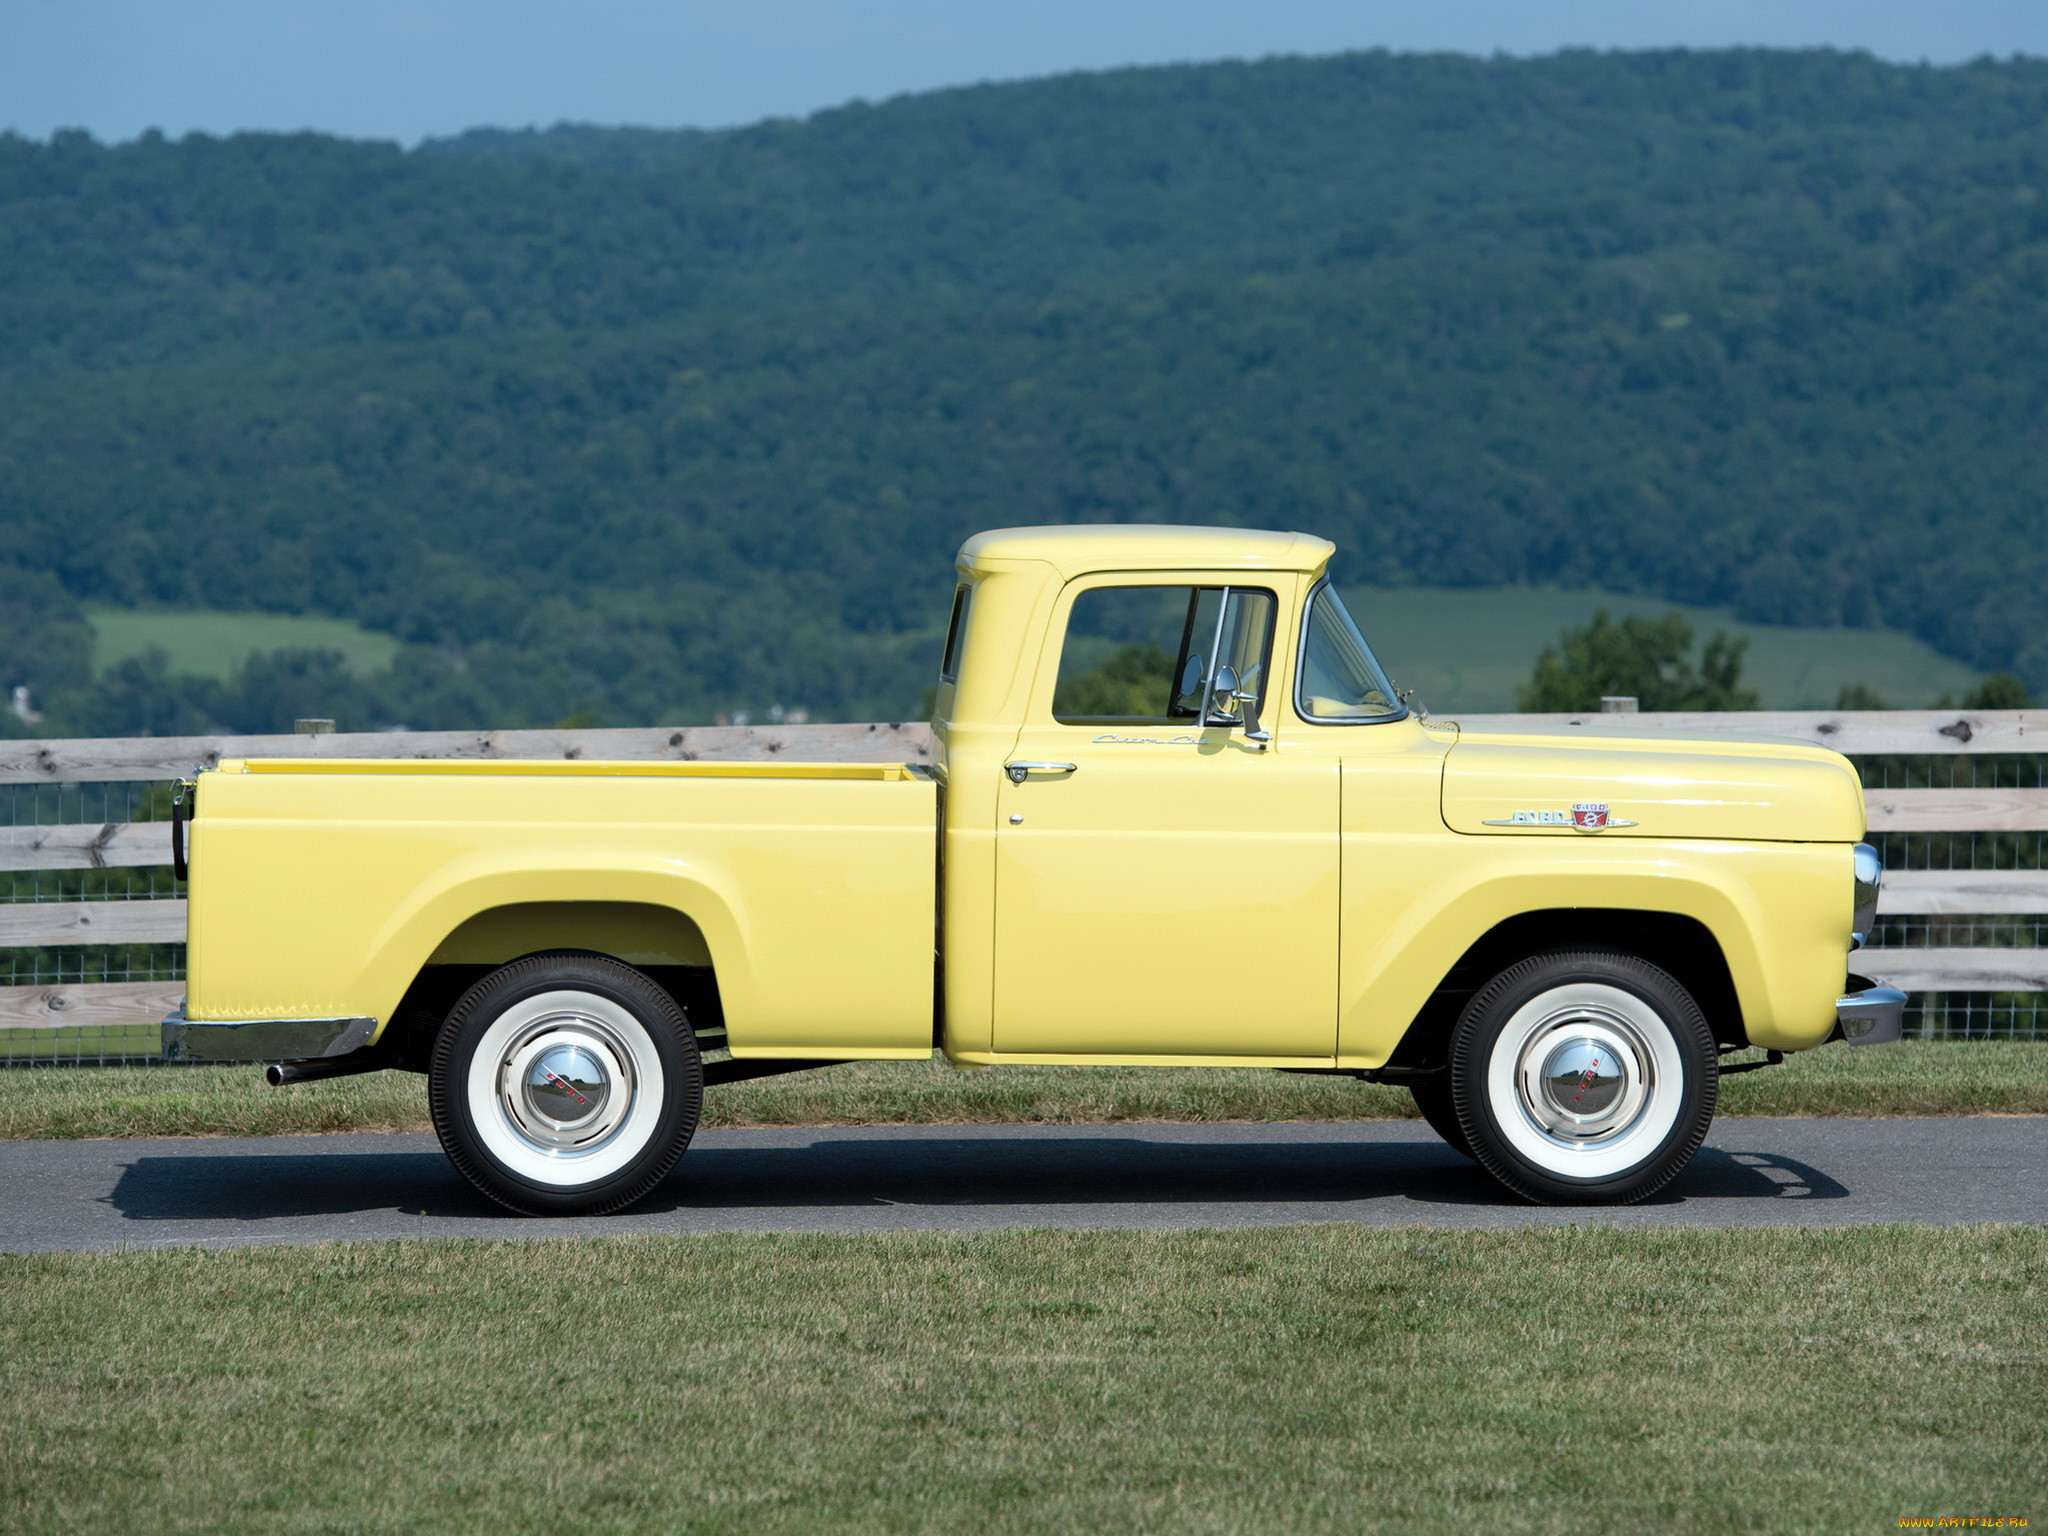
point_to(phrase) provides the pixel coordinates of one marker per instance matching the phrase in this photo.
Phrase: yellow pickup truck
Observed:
(1176, 816)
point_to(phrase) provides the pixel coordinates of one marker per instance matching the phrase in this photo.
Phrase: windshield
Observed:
(1339, 678)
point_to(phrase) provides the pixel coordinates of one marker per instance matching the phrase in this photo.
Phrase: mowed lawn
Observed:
(1303, 1379)
(1917, 1078)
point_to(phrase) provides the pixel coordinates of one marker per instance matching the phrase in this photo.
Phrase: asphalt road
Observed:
(304, 1189)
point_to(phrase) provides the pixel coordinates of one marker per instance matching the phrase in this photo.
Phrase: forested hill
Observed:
(650, 425)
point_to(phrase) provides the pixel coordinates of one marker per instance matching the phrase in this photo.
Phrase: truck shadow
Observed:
(1090, 1170)
(838, 1172)
(272, 1186)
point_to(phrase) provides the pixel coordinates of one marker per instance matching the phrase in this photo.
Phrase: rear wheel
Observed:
(565, 1085)
(1433, 1097)
(1583, 1078)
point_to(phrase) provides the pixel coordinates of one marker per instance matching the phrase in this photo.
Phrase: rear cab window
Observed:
(956, 634)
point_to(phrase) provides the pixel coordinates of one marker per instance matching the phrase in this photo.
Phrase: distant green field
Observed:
(1457, 647)
(210, 644)
(1467, 648)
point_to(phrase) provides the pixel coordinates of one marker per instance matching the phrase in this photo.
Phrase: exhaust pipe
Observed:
(280, 1073)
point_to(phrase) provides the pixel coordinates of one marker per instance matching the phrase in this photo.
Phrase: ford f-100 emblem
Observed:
(1587, 816)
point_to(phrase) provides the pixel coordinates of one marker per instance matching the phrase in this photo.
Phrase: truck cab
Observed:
(1177, 815)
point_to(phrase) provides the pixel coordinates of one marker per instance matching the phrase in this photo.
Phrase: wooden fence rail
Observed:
(42, 924)
(105, 1004)
(138, 758)
(112, 845)
(1860, 733)
(145, 844)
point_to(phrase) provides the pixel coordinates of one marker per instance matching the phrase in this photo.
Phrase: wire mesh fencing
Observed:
(85, 1045)
(1955, 770)
(1977, 1016)
(41, 985)
(85, 804)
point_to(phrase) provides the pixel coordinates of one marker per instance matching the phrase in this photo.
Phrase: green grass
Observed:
(1306, 1379)
(1910, 1079)
(204, 643)
(1467, 648)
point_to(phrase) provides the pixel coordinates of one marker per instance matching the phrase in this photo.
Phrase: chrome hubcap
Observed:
(1584, 1075)
(565, 1084)
(1580, 1078)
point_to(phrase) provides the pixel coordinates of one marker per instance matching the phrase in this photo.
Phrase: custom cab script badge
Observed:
(1587, 816)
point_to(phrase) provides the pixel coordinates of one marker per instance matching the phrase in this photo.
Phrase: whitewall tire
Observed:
(565, 1084)
(1583, 1077)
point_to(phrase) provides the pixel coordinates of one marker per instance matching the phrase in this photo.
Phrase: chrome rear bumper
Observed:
(262, 1039)
(1870, 1017)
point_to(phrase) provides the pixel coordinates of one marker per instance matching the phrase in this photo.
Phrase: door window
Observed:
(1149, 655)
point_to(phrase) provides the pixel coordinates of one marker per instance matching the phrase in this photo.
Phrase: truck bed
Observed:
(321, 888)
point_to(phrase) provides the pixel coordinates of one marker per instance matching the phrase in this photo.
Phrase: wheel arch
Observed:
(1673, 941)
(639, 933)
(675, 930)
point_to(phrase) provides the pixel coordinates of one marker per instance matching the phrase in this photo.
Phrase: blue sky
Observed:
(404, 69)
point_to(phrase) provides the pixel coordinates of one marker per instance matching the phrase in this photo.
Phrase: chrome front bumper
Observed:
(1870, 1017)
(262, 1039)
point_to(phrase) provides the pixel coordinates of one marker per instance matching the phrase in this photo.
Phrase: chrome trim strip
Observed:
(1216, 661)
(262, 1039)
(1568, 823)
(1873, 1016)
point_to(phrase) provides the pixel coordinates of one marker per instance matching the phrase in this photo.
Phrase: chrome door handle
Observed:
(1016, 771)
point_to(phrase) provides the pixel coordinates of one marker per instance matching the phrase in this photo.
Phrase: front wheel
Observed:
(565, 1085)
(1583, 1078)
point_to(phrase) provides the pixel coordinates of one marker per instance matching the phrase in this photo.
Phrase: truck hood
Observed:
(1528, 781)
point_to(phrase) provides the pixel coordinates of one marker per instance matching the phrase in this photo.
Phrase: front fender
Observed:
(1778, 911)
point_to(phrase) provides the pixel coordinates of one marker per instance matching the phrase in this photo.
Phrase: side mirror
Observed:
(1230, 703)
(1223, 696)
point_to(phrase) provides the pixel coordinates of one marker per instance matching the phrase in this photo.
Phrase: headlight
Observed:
(1869, 880)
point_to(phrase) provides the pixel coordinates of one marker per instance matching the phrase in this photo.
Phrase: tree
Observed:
(1134, 681)
(2001, 690)
(671, 424)
(45, 641)
(1647, 659)
(1859, 696)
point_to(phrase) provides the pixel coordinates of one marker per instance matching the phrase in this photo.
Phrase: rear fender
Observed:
(429, 924)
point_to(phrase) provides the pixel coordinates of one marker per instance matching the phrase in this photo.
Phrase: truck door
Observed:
(1165, 884)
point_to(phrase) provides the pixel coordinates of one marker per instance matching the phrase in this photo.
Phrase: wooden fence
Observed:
(45, 924)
